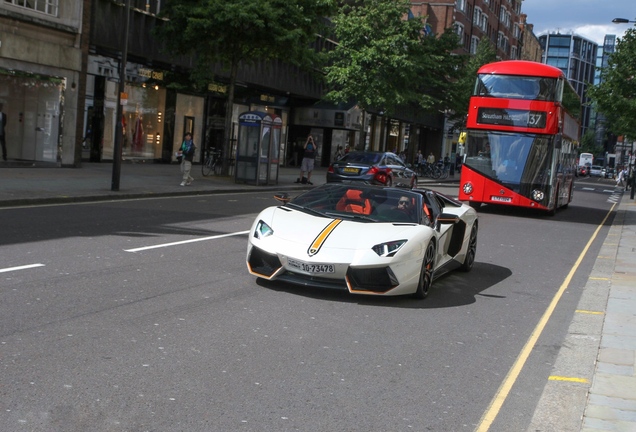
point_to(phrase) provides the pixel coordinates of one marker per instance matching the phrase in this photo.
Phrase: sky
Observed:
(591, 19)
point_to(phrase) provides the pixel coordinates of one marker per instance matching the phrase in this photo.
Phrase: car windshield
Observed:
(362, 158)
(362, 203)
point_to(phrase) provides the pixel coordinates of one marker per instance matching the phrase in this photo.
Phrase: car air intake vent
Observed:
(375, 279)
(263, 263)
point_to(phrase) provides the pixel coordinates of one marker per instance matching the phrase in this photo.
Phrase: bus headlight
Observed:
(538, 195)
(468, 188)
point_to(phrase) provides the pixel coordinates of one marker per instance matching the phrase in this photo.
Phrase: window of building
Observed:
(459, 30)
(477, 16)
(474, 41)
(49, 7)
(461, 5)
(513, 53)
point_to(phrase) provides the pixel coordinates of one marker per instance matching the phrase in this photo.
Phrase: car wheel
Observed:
(426, 274)
(471, 251)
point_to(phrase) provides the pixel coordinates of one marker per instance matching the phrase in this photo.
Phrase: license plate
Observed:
(311, 268)
(349, 170)
(500, 198)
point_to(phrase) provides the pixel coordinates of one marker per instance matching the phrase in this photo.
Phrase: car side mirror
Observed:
(446, 219)
(283, 197)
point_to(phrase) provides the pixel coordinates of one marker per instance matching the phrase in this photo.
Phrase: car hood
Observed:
(295, 226)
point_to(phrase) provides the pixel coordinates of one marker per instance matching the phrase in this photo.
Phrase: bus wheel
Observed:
(474, 204)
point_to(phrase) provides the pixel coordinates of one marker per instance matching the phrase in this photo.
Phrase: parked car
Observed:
(379, 168)
(595, 171)
(608, 172)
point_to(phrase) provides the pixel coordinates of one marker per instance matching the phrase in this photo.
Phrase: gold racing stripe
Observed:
(318, 241)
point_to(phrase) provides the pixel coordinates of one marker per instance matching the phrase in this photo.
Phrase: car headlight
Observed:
(262, 230)
(388, 249)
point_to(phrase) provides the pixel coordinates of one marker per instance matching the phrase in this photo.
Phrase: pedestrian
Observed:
(430, 159)
(3, 123)
(186, 153)
(339, 154)
(458, 163)
(307, 164)
(620, 178)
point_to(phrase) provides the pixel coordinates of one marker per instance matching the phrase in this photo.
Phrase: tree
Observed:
(464, 88)
(383, 60)
(588, 143)
(232, 33)
(615, 95)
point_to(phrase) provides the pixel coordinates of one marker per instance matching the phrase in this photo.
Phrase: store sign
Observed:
(512, 117)
(149, 73)
(217, 88)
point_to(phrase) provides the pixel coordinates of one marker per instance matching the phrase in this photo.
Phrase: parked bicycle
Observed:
(429, 170)
(212, 162)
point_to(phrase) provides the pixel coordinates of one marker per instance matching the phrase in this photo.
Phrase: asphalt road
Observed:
(140, 316)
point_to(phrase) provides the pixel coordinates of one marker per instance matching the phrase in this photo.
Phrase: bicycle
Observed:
(212, 163)
(444, 171)
(430, 170)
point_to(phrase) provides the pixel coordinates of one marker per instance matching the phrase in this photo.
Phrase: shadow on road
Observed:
(451, 290)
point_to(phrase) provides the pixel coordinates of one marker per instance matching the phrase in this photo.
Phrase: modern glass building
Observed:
(576, 57)
(598, 119)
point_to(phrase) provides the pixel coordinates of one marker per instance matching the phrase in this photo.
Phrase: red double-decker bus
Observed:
(522, 137)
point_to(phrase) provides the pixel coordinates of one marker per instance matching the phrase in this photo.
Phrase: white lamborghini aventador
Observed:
(364, 239)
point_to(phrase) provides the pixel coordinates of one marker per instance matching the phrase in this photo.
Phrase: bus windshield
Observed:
(516, 87)
(511, 158)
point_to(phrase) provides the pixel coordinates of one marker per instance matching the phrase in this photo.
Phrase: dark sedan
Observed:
(383, 168)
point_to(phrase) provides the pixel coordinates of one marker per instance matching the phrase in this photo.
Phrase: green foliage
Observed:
(588, 143)
(485, 54)
(615, 96)
(227, 32)
(383, 60)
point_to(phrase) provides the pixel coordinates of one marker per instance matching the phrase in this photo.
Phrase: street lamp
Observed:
(622, 21)
(119, 132)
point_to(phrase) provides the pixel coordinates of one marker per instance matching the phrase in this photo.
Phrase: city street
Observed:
(140, 315)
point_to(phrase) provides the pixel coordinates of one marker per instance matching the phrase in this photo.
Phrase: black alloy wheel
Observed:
(426, 274)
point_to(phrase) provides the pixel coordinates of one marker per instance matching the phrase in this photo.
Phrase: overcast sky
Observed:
(591, 19)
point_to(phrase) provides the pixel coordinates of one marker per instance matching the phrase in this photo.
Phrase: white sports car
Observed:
(364, 239)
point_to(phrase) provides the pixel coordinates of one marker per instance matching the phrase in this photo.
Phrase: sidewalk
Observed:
(592, 386)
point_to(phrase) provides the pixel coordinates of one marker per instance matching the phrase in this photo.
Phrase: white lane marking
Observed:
(24, 267)
(588, 189)
(185, 242)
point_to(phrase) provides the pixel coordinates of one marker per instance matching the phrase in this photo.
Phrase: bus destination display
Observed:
(511, 117)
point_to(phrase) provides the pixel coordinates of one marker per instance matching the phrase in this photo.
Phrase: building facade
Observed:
(474, 20)
(531, 47)
(603, 139)
(576, 57)
(40, 71)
